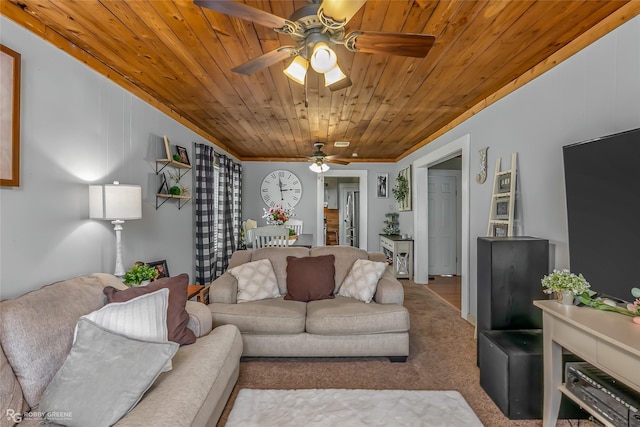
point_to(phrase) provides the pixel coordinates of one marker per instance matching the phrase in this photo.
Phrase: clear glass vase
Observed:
(565, 297)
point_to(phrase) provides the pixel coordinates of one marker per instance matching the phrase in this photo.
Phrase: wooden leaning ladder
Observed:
(503, 199)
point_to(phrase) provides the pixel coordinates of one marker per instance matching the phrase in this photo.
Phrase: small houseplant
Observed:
(565, 285)
(140, 272)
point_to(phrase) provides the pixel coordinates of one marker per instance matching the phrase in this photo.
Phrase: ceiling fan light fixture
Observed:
(319, 167)
(323, 58)
(297, 70)
(333, 75)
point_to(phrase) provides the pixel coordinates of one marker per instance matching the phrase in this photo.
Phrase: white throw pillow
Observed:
(362, 280)
(256, 281)
(143, 318)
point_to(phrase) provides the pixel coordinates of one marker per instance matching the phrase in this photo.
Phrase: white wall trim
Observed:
(462, 146)
(364, 203)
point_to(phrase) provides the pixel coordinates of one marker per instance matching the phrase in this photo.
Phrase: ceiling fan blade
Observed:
(339, 12)
(266, 60)
(243, 11)
(402, 44)
(338, 161)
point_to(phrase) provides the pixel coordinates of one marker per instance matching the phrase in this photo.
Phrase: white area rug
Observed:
(340, 408)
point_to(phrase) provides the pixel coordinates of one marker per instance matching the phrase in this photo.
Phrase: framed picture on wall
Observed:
(504, 183)
(10, 118)
(382, 185)
(161, 267)
(500, 230)
(501, 209)
(402, 190)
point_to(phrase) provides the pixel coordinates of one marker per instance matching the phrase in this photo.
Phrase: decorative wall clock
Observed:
(281, 187)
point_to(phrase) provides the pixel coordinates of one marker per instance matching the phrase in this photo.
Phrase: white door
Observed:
(442, 224)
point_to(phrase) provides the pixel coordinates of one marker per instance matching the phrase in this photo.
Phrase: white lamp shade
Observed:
(323, 58)
(297, 70)
(318, 168)
(333, 75)
(115, 201)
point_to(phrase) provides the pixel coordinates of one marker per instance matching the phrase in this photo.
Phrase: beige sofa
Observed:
(340, 327)
(36, 333)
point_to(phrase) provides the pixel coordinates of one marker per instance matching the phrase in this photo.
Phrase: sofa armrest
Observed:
(200, 321)
(389, 290)
(224, 289)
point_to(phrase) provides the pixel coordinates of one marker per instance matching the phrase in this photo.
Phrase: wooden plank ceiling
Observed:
(179, 57)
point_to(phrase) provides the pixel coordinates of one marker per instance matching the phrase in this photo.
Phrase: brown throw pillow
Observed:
(310, 278)
(177, 316)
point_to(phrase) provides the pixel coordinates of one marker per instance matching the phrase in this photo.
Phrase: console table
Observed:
(609, 341)
(400, 252)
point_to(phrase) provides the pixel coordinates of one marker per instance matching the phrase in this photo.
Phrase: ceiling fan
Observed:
(315, 29)
(320, 159)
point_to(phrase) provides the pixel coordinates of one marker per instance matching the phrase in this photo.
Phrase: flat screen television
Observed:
(602, 182)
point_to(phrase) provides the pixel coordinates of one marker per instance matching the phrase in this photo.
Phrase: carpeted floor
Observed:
(442, 357)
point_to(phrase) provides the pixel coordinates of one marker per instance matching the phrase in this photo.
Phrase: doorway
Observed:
(361, 205)
(458, 147)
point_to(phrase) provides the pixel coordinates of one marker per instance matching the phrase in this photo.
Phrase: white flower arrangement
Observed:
(564, 280)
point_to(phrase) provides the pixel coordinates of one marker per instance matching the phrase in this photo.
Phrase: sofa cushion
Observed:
(268, 316)
(278, 258)
(45, 319)
(11, 399)
(345, 257)
(348, 316)
(310, 278)
(94, 374)
(362, 280)
(177, 316)
(197, 386)
(256, 281)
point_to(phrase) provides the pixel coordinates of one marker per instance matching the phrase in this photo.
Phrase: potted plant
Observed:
(565, 285)
(140, 273)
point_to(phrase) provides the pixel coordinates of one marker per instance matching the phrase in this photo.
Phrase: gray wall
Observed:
(77, 127)
(306, 210)
(594, 93)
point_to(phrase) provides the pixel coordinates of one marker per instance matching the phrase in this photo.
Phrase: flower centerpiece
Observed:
(565, 284)
(277, 215)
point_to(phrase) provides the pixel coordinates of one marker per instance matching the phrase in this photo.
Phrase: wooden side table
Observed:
(200, 292)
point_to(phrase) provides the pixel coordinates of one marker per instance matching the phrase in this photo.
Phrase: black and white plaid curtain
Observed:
(217, 201)
(229, 212)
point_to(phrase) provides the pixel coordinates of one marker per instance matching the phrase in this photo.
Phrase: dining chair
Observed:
(248, 226)
(270, 236)
(295, 225)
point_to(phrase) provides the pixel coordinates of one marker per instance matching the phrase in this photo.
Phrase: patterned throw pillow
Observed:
(362, 280)
(256, 281)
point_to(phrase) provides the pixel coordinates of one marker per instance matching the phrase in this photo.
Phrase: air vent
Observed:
(341, 144)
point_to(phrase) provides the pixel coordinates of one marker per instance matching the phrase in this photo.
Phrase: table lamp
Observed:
(116, 202)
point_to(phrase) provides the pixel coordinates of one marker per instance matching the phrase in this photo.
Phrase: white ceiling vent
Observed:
(341, 144)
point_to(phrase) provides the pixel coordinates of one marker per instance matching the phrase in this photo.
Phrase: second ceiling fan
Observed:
(315, 29)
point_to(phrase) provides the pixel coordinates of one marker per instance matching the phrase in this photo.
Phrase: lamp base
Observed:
(119, 270)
